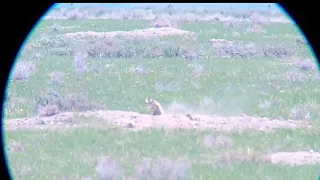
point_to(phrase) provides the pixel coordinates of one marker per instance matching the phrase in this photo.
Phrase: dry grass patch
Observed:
(241, 157)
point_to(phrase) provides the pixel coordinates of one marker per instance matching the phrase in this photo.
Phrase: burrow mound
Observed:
(136, 121)
(295, 158)
(144, 33)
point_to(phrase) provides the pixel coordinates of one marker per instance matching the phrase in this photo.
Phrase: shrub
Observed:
(277, 52)
(307, 65)
(304, 111)
(161, 169)
(159, 23)
(56, 28)
(236, 50)
(228, 158)
(49, 110)
(109, 169)
(301, 40)
(31, 51)
(130, 48)
(79, 62)
(79, 102)
(258, 19)
(60, 51)
(22, 70)
(56, 77)
(232, 24)
(48, 98)
(71, 102)
(217, 142)
(75, 14)
(246, 51)
(255, 29)
(295, 77)
(113, 48)
(119, 47)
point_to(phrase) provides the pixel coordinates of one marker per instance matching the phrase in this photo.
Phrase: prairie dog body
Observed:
(155, 107)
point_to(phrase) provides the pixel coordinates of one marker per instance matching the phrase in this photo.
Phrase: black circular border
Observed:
(21, 18)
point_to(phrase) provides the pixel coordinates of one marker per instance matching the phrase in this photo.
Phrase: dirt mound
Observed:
(145, 33)
(138, 121)
(295, 158)
(285, 158)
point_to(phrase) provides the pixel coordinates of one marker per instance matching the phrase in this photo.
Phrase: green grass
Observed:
(75, 153)
(235, 85)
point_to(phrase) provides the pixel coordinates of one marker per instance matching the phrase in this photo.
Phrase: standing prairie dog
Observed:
(155, 106)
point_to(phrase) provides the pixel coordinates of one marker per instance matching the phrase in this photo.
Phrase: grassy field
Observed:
(74, 154)
(257, 86)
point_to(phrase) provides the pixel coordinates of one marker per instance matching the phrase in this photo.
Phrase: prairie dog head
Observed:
(149, 101)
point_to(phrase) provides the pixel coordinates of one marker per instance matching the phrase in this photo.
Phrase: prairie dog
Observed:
(155, 106)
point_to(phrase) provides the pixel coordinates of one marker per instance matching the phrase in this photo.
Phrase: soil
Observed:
(296, 158)
(144, 33)
(137, 121)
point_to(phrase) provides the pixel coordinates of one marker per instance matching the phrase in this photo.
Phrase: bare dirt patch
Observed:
(295, 158)
(286, 158)
(136, 121)
(145, 33)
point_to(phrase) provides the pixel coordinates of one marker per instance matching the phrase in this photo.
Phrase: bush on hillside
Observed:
(161, 168)
(71, 102)
(22, 70)
(248, 51)
(56, 77)
(108, 169)
(159, 23)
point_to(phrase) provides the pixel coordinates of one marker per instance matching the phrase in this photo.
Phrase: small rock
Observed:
(39, 122)
(243, 115)
(129, 125)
